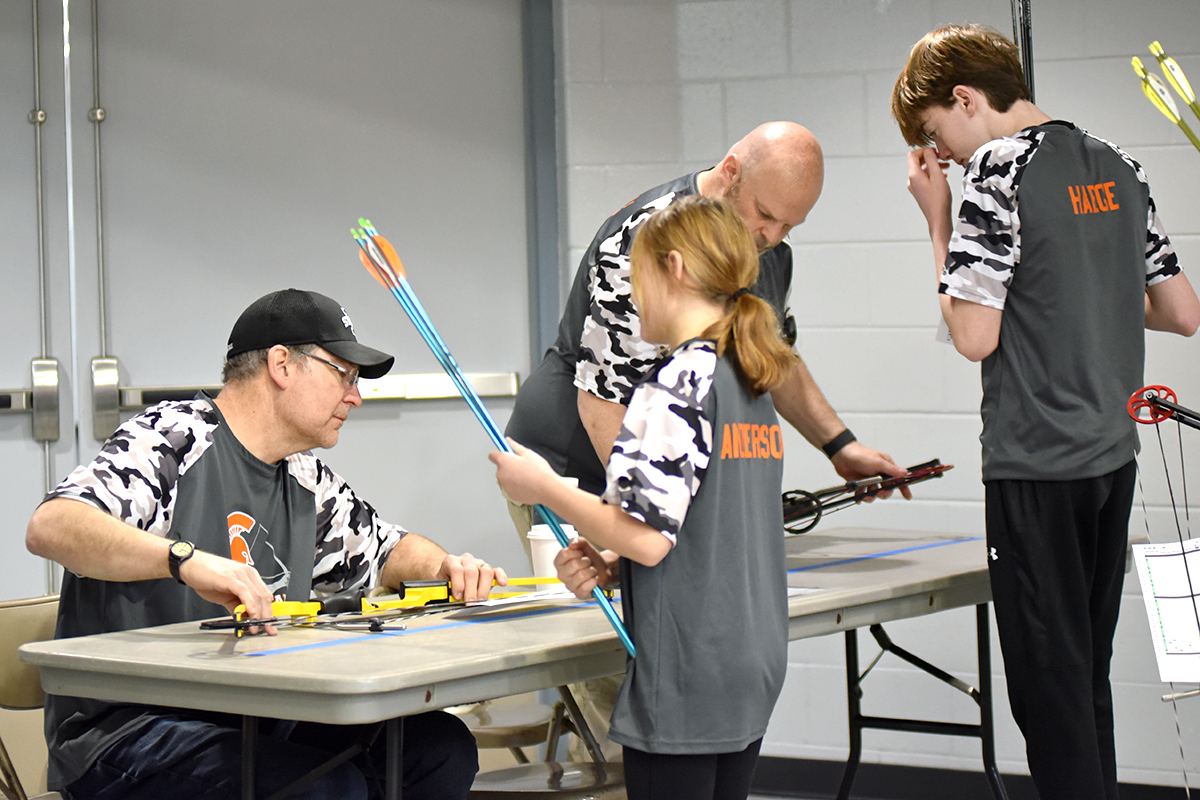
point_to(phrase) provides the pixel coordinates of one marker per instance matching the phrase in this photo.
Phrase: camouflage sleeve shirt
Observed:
(176, 470)
(614, 356)
(985, 247)
(660, 456)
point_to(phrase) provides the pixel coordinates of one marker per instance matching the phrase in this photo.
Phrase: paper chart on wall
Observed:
(1170, 576)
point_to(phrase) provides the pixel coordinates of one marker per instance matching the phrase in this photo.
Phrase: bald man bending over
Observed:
(571, 408)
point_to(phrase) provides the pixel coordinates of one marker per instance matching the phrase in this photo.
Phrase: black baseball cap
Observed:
(296, 317)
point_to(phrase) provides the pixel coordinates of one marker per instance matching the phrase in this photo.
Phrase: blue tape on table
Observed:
(882, 555)
(443, 626)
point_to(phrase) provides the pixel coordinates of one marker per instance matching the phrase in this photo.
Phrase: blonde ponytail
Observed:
(720, 256)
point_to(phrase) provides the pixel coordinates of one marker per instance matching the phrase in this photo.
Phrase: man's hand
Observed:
(581, 567)
(855, 461)
(470, 578)
(229, 583)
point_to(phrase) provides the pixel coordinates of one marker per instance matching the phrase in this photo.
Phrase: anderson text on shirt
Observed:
(747, 440)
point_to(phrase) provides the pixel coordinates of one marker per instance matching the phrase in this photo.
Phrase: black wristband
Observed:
(835, 445)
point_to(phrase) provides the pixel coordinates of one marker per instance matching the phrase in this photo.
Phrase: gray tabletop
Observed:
(842, 579)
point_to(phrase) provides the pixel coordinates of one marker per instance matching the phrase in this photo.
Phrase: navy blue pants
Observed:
(200, 759)
(716, 776)
(1056, 558)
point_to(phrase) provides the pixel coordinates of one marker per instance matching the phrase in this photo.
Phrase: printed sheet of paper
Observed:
(1170, 578)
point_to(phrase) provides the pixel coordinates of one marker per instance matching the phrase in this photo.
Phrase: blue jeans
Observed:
(200, 757)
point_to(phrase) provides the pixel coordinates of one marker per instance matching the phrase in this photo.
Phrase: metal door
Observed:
(218, 151)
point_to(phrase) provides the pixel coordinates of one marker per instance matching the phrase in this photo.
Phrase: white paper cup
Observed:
(544, 546)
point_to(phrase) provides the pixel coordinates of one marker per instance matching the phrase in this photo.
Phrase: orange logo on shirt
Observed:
(240, 524)
(746, 440)
(1093, 198)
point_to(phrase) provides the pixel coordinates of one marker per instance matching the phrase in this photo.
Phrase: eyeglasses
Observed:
(349, 376)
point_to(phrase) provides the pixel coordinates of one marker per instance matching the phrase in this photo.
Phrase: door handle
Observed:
(44, 399)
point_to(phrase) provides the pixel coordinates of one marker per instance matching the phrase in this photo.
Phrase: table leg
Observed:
(581, 726)
(249, 745)
(854, 714)
(987, 734)
(982, 697)
(394, 779)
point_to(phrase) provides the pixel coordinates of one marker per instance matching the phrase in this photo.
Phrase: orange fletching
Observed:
(389, 253)
(371, 268)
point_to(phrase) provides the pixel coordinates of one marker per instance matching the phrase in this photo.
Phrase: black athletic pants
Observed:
(1056, 557)
(716, 776)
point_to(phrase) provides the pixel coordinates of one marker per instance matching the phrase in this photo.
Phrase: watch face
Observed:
(181, 549)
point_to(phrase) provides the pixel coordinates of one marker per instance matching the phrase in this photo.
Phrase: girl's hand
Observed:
(581, 567)
(522, 474)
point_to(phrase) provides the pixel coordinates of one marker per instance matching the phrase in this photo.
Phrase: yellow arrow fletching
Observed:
(1174, 73)
(1160, 89)
(1156, 91)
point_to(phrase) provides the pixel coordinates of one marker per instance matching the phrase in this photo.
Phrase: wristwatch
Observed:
(180, 552)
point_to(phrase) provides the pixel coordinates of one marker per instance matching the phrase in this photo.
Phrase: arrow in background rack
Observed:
(381, 260)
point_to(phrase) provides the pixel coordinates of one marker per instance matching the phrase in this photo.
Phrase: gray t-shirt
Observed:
(701, 460)
(177, 471)
(1058, 229)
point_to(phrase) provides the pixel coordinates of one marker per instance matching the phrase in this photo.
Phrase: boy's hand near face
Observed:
(928, 185)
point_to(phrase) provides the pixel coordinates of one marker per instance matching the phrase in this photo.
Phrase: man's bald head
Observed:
(785, 149)
(773, 176)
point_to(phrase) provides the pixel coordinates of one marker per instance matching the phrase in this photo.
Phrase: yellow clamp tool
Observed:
(424, 593)
(410, 594)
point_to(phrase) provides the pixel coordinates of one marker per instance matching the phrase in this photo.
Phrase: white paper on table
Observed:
(1172, 606)
(509, 603)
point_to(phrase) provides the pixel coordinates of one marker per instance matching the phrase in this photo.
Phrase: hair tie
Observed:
(740, 292)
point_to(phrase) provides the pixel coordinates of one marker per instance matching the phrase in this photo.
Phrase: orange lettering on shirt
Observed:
(747, 440)
(1093, 198)
(1112, 201)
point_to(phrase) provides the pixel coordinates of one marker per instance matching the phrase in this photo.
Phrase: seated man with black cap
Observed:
(195, 507)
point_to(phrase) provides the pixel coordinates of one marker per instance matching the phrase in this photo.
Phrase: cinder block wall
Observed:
(652, 90)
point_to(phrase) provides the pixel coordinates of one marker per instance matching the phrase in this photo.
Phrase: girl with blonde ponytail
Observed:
(720, 260)
(691, 522)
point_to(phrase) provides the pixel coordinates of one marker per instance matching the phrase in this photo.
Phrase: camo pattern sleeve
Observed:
(134, 476)
(986, 243)
(353, 543)
(663, 450)
(1161, 262)
(613, 357)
